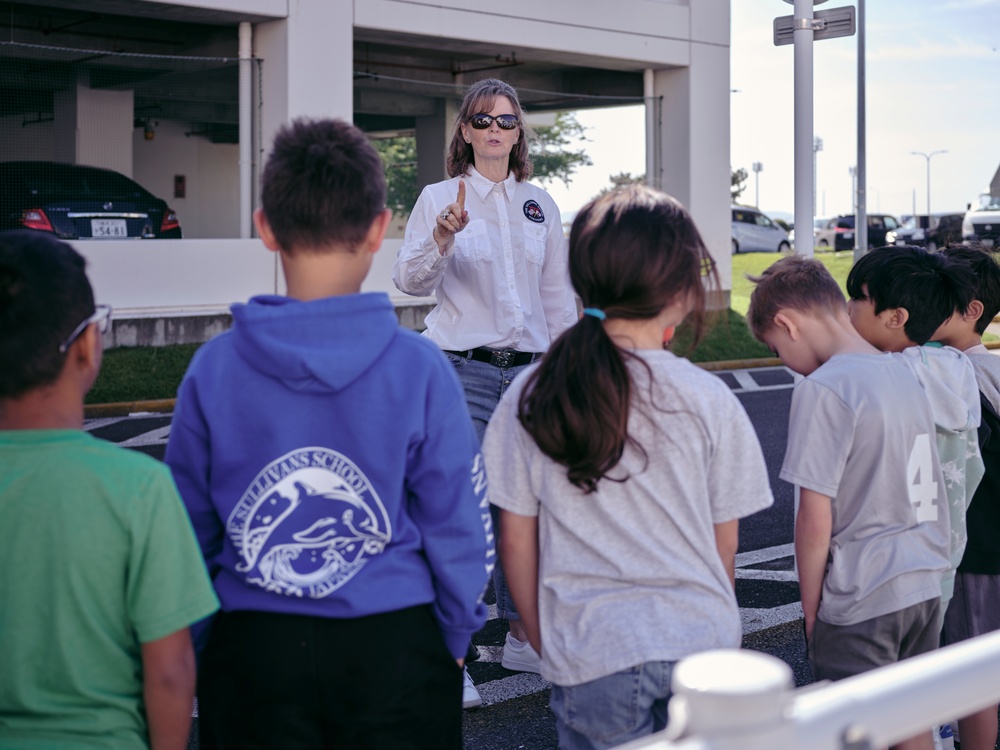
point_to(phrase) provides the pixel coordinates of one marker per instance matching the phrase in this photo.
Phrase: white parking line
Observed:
(153, 437)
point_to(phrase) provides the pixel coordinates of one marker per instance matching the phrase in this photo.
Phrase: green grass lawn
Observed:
(141, 373)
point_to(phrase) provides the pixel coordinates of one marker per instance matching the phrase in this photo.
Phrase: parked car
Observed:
(839, 231)
(754, 231)
(77, 202)
(818, 223)
(982, 224)
(931, 232)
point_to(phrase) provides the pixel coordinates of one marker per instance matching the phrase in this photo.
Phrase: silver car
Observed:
(754, 231)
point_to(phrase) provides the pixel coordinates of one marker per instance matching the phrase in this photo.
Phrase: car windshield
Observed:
(915, 222)
(992, 205)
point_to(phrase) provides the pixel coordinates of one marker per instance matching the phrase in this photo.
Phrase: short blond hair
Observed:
(793, 283)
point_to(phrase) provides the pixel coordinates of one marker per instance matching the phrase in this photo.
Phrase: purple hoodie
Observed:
(330, 468)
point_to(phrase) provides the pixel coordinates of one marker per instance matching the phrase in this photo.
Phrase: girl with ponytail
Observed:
(625, 470)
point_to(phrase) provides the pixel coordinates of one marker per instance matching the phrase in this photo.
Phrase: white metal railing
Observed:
(745, 700)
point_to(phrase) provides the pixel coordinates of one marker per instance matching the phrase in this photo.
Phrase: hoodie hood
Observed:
(317, 346)
(949, 380)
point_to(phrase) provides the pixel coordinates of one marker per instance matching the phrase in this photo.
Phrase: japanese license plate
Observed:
(108, 228)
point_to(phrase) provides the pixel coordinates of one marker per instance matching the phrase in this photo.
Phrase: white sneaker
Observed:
(519, 656)
(470, 696)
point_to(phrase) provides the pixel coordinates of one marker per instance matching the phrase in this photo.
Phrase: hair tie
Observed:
(595, 312)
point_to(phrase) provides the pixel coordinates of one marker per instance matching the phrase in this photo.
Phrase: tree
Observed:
(620, 180)
(550, 154)
(738, 178)
(552, 158)
(399, 156)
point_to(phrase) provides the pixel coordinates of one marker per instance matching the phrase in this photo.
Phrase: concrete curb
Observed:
(166, 405)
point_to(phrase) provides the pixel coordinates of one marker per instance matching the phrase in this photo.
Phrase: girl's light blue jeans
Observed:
(613, 710)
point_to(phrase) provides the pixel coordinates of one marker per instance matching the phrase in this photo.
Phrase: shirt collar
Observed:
(483, 186)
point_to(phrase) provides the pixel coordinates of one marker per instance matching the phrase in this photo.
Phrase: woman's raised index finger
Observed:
(461, 195)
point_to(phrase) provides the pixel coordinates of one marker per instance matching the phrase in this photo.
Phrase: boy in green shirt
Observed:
(100, 573)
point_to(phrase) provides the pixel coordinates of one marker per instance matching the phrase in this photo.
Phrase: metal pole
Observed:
(246, 146)
(652, 156)
(861, 213)
(928, 157)
(928, 192)
(757, 169)
(804, 154)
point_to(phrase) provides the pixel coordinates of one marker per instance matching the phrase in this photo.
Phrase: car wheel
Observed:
(824, 243)
(931, 246)
(736, 246)
(784, 247)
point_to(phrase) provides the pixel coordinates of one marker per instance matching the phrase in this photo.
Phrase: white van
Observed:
(754, 231)
(982, 223)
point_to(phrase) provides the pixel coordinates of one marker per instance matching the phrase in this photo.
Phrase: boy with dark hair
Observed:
(871, 542)
(899, 297)
(100, 574)
(975, 608)
(334, 480)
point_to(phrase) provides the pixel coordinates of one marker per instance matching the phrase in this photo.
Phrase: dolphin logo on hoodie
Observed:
(307, 524)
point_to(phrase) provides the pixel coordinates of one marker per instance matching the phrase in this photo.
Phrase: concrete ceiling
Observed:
(397, 77)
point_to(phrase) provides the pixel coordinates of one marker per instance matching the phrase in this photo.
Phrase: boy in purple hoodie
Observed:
(330, 469)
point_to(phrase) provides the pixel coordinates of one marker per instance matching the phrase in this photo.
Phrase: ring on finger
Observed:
(445, 214)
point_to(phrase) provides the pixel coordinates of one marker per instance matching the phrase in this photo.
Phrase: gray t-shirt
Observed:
(631, 573)
(987, 367)
(861, 432)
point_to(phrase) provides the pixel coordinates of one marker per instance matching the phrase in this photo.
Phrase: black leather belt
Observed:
(498, 357)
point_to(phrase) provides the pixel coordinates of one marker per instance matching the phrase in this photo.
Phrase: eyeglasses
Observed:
(483, 121)
(101, 316)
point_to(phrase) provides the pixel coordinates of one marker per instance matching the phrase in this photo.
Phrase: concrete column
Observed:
(307, 68)
(695, 153)
(433, 139)
(94, 127)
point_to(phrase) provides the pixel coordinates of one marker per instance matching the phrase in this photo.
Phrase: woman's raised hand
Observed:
(453, 219)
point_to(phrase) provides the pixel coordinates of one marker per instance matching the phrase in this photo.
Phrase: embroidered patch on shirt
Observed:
(534, 212)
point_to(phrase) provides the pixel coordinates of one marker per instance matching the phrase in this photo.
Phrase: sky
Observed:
(933, 83)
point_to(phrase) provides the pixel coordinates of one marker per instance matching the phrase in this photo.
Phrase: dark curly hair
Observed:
(44, 295)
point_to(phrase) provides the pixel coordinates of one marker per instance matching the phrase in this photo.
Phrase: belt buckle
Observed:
(502, 357)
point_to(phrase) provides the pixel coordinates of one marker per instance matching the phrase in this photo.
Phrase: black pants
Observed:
(289, 682)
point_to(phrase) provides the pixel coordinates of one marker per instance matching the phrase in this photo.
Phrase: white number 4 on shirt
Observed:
(920, 476)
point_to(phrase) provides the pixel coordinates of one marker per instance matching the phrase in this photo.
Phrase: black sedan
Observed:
(76, 202)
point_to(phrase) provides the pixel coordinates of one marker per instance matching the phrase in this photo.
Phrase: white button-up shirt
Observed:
(505, 282)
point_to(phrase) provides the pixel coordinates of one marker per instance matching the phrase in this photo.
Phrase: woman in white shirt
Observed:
(490, 247)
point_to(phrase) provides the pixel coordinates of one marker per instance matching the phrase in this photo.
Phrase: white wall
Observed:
(211, 170)
(176, 277)
(626, 30)
(29, 142)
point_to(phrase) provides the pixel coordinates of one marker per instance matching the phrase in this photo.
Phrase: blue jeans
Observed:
(484, 384)
(613, 710)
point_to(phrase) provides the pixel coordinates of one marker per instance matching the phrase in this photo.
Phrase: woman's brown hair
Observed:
(481, 97)
(631, 253)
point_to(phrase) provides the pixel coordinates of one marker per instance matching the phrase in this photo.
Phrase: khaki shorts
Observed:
(839, 651)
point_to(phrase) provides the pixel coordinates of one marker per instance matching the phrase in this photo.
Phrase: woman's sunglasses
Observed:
(483, 121)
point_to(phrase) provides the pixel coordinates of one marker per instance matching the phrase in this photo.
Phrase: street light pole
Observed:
(757, 169)
(928, 157)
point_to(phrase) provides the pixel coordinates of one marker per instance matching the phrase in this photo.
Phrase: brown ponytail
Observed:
(631, 254)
